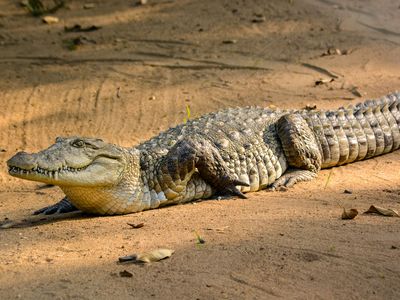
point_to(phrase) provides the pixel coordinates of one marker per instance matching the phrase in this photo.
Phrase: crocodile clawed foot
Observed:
(230, 188)
(62, 207)
(291, 177)
(235, 191)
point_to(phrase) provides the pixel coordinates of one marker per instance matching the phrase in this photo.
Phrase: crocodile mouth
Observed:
(38, 171)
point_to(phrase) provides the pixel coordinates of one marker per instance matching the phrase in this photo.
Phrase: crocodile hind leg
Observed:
(62, 207)
(301, 150)
(197, 153)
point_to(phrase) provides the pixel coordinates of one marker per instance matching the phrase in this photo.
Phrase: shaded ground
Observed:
(133, 78)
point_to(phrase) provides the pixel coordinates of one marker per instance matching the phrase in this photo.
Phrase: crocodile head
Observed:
(73, 161)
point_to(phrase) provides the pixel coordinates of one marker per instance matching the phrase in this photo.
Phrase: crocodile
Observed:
(229, 152)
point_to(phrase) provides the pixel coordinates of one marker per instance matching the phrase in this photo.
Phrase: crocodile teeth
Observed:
(49, 173)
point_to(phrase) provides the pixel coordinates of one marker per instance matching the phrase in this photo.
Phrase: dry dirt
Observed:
(133, 78)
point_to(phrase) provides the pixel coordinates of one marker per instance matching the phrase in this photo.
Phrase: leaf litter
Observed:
(136, 226)
(147, 257)
(125, 273)
(349, 214)
(387, 212)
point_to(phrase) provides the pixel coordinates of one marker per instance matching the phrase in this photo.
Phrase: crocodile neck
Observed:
(122, 198)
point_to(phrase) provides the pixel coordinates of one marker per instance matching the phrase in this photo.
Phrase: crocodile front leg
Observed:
(301, 150)
(198, 154)
(62, 207)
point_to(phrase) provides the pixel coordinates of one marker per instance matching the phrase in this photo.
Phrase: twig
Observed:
(320, 70)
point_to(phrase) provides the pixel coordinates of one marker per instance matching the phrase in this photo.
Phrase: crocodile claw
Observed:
(231, 188)
(64, 206)
(235, 191)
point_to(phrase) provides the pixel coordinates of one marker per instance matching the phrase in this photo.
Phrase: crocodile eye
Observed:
(78, 143)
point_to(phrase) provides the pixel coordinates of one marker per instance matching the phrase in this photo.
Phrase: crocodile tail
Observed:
(358, 132)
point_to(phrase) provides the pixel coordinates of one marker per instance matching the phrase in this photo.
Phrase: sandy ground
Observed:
(133, 78)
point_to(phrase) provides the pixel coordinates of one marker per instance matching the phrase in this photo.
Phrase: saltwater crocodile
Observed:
(232, 151)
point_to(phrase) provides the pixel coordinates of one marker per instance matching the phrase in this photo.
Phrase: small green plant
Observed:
(37, 8)
(199, 239)
(187, 114)
(328, 179)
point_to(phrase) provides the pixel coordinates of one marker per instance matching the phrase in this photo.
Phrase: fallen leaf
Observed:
(349, 214)
(127, 258)
(388, 212)
(154, 255)
(147, 257)
(136, 226)
(324, 81)
(50, 20)
(348, 191)
(125, 273)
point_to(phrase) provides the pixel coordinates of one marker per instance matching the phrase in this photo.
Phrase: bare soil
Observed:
(133, 78)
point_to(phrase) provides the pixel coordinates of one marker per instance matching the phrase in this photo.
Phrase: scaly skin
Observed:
(233, 151)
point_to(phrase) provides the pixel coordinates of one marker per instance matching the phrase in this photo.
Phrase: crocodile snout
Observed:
(23, 161)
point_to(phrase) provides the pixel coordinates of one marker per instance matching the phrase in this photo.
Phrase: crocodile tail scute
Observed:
(358, 132)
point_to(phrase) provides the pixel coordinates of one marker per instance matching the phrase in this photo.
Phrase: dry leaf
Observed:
(154, 255)
(388, 212)
(50, 20)
(324, 81)
(125, 273)
(147, 257)
(136, 226)
(123, 259)
(349, 214)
